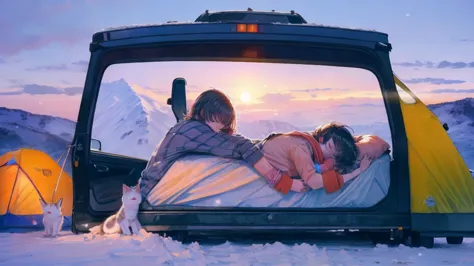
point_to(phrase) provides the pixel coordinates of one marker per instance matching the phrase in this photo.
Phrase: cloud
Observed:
(14, 82)
(81, 63)
(313, 90)
(73, 66)
(35, 89)
(467, 40)
(452, 91)
(48, 68)
(189, 88)
(440, 65)
(437, 81)
(2, 61)
(414, 64)
(276, 98)
(318, 90)
(446, 64)
(31, 25)
(22, 42)
(361, 105)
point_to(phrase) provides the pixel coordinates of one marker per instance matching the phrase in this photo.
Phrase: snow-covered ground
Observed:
(150, 249)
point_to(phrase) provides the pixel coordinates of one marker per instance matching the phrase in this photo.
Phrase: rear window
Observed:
(132, 118)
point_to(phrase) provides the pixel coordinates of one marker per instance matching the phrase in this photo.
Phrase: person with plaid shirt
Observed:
(209, 129)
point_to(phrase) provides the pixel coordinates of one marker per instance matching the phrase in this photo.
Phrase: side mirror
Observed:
(178, 98)
(96, 145)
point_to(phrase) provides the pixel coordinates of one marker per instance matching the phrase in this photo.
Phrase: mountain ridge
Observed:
(130, 119)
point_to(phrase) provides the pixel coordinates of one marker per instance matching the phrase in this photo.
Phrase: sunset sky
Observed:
(44, 52)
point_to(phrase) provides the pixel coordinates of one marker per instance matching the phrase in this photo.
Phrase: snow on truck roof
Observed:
(177, 28)
(138, 26)
(253, 11)
(271, 22)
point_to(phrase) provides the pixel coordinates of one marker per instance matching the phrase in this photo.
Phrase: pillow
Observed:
(371, 146)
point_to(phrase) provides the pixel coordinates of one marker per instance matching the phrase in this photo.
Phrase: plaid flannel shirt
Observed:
(189, 137)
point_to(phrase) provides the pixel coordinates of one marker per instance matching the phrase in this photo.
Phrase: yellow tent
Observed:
(438, 184)
(27, 175)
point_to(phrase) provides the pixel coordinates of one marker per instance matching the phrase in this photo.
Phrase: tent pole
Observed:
(59, 159)
(13, 189)
(61, 172)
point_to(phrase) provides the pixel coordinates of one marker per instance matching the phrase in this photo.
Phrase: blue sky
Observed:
(45, 43)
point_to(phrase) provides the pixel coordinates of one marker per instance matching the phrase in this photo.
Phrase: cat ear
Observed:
(58, 204)
(43, 204)
(137, 188)
(126, 188)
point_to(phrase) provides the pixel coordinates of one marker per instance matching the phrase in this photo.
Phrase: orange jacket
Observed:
(296, 153)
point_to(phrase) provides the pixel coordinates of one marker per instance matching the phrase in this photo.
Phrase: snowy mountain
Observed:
(130, 121)
(459, 115)
(20, 129)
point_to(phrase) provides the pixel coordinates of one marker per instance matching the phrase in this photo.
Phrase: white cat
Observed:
(126, 217)
(52, 218)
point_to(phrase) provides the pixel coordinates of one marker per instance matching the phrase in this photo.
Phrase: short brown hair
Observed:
(214, 106)
(347, 151)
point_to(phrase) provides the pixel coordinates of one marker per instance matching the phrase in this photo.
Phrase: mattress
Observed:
(209, 181)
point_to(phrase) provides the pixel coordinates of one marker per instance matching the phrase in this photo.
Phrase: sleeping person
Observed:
(318, 158)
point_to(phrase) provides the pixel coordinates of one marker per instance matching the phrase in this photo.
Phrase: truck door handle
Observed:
(101, 168)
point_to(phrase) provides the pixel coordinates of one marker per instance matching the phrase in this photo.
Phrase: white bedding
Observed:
(202, 180)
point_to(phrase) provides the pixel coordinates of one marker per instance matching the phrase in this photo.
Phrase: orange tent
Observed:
(27, 175)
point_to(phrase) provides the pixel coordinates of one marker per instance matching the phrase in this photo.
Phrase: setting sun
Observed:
(245, 97)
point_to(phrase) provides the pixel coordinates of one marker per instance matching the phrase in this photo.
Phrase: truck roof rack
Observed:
(252, 16)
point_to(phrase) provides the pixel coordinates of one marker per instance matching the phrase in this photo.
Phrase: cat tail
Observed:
(97, 230)
(111, 225)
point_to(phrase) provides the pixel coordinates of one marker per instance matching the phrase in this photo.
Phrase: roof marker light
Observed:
(252, 28)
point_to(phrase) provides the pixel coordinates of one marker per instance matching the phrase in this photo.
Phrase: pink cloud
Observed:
(276, 98)
(21, 42)
(35, 24)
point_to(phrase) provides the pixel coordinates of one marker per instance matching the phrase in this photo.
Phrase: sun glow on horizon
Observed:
(246, 97)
